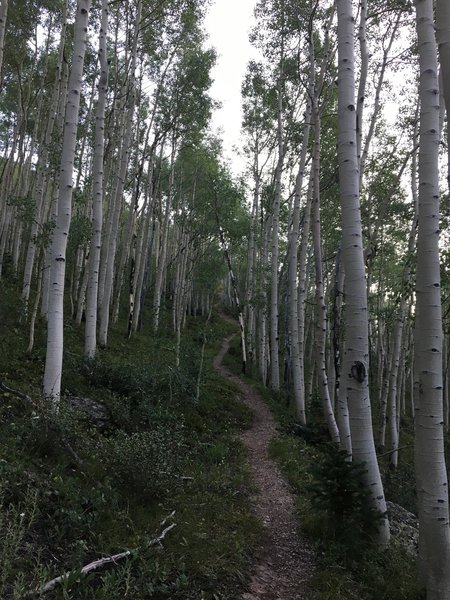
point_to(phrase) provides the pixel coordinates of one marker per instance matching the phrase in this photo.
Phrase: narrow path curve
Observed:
(286, 562)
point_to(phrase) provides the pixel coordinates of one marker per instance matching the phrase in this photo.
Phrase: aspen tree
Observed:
(443, 40)
(293, 260)
(251, 263)
(41, 185)
(356, 362)
(129, 231)
(297, 260)
(321, 309)
(431, 474)
(263, 355)
(257, 125)
(3, 16)
(117, 200)
(162, 254)
(54, 191)
(90, 340)
(54, 355)
(274, 316)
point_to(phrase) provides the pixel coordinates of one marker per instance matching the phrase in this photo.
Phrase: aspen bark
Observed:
(431, 474)
(90, 338)
(251, 264)
(297, 366)
(263, 356)
(161, 266)
(302, 292)
(3, 16)
(274, 337)
(355, 378)
(116, 205)
(443, 40)
(41, 182)
(321, 309)
(54, 355)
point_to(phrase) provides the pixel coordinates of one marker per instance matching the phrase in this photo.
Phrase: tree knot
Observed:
(358, 371)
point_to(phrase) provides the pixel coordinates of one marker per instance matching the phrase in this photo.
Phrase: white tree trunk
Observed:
(40, 186)
(251, 265)
(321, 309)
(116, 205)
(274, 358)
(263, 356)
(161, 266)
(431, 474)
(90, 339)
(355, 378)
(297, 368)
(54, 356)
(443, 40)
(302, 291)
(3, 16)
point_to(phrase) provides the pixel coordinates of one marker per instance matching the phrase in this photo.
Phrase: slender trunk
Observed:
(35, 310)
(251, 264)
(90, 339)
(3, 16)
(117, 203)
(443, 40)
(235, 294)
(161, 267)
(274, 316)
(263, 355)
(54, 356)
(301, 295)
(297, 367)
(321, 309)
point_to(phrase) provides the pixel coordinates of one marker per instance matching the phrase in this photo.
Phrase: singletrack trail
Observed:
(285, 561)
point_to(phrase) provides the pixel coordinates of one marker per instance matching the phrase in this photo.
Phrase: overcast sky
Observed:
(228, 23)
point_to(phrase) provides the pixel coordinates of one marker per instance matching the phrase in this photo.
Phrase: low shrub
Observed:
(147, 462)
(343, 502)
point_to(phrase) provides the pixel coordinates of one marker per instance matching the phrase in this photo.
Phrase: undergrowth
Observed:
(73, 491)
(333, 510)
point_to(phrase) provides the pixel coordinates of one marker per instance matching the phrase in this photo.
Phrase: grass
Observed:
(61, 513)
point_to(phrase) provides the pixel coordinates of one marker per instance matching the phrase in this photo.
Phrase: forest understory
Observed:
(108, 476)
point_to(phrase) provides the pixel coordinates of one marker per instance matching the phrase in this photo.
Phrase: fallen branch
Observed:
(17, 393)
(93, 566)
(101, 562)
(395, 450)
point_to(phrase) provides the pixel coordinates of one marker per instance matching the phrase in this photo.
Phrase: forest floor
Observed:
(285, 560)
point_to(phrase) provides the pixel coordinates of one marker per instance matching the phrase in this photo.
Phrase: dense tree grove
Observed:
(118, 210)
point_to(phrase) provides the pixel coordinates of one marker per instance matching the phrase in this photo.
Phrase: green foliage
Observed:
(15, 524)
(342, 500)
(340, 574)
(148, 463)
(87, 492)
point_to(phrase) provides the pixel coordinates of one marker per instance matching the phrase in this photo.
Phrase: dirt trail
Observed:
(286, 562)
